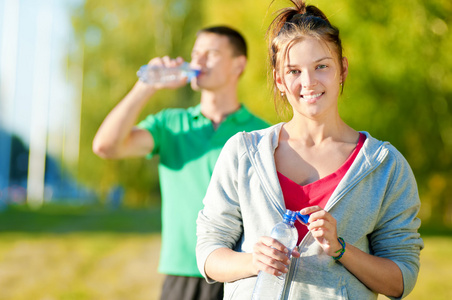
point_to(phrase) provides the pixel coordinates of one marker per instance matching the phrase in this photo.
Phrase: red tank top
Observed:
(297, 197)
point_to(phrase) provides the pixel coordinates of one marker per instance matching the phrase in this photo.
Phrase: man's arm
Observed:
(117, 136)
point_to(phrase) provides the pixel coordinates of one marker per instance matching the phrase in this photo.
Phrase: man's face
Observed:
(213, 55)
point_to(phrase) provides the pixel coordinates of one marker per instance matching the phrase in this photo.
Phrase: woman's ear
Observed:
(344, 69)
(278, 81)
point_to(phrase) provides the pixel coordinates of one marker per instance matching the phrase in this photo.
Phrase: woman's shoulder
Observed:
(257, 135)
(379, 150)
(255, 138)
(246, 141)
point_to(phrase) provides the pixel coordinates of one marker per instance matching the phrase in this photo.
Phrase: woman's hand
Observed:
(271, 256)
(323, 228)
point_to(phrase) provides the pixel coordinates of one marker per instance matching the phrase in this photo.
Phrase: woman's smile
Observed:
(311, 98)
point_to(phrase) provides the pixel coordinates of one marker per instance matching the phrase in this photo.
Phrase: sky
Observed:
(38, 100)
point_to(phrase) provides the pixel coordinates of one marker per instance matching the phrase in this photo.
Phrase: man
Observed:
(188, 142)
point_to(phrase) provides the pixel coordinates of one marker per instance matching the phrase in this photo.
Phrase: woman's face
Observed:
(311, 78)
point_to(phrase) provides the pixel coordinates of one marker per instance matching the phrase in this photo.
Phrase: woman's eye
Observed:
(293, 72)
(321, 66)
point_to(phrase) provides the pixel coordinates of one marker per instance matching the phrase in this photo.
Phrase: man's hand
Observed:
(167, 62)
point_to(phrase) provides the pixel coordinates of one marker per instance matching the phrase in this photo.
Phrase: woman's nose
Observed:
(308, 79)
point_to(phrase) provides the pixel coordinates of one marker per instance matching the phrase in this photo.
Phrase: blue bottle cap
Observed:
(304, 218)
(192, 74)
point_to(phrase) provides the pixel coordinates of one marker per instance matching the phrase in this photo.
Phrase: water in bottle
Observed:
(161, 74)
(269, 286)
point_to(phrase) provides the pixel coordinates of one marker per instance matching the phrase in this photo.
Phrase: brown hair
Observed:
(237, 41)
(291, 25)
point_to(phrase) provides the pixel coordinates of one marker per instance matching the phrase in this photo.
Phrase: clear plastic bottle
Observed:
(269, 286)
(160, 74)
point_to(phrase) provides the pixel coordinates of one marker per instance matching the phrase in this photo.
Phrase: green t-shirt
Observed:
(188, 147)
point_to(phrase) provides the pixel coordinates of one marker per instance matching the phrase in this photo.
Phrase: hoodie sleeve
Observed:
(396, 235)
(219, 224)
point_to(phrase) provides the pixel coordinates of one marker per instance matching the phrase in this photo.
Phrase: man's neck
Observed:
(217, 106)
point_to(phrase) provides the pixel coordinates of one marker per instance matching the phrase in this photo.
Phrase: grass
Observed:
(79, 253)
(79, 266)
(435, 276)
(62, 219)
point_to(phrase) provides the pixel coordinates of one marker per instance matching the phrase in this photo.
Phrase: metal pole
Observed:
(40, 107)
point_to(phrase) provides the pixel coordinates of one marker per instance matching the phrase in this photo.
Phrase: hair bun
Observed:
(300, 10)
(300, 6)
(315, 12)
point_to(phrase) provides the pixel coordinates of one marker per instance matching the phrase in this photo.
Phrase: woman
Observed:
(360, 193)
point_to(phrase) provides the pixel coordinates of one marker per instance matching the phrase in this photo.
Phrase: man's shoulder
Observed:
(179, 111)
(264, 131)
(260, 120)
(176, 113)
(250, 119)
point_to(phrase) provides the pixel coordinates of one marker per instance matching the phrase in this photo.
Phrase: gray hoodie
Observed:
(375, 206)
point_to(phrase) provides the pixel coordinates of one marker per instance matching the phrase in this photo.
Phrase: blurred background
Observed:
(74, 226)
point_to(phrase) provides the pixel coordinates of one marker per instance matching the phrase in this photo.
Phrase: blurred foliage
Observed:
(398, 89)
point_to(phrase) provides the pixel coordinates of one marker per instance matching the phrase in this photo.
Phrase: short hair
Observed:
(236, 40)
